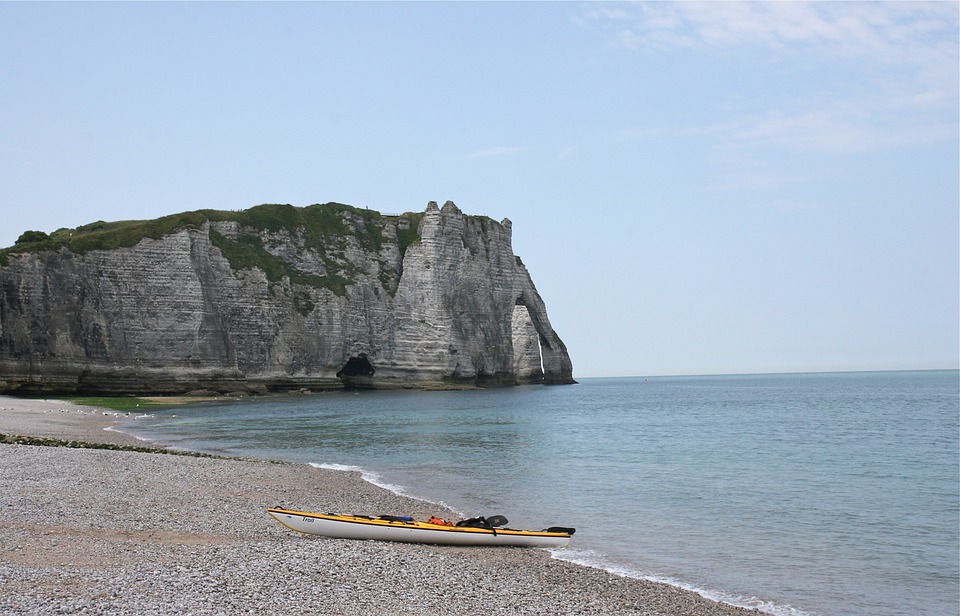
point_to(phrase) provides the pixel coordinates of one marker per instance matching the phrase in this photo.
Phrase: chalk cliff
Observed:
(274, 298)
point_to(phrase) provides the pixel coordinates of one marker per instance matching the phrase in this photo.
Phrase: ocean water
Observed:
(796, 494)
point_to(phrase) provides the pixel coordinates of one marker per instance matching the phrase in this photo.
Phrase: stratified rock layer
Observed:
(223, 306)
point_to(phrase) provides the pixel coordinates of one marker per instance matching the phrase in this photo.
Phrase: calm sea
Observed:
(796, 494)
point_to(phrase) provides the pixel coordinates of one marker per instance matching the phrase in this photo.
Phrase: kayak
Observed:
(407, 530)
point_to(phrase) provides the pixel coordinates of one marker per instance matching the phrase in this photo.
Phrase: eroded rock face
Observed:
(222, 306)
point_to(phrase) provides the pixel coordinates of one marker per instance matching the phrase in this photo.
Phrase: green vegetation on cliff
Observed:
(323, 227)
(247, 252)
(317, 221)
(102, 235)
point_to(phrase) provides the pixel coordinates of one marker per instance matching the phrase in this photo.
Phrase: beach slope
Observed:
(102, 531)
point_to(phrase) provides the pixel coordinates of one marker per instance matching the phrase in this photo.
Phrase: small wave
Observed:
(596, 560)
(118, 431)
(375, 479)
(368, 476)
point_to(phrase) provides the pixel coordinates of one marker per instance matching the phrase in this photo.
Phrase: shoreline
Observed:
(124, 531)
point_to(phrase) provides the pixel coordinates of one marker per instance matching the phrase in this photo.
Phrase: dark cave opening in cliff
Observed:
(357, 366)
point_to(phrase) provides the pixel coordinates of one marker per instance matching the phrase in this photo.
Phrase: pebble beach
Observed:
(94, 531)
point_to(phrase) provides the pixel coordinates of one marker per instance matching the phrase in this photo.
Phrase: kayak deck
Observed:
(392, 528)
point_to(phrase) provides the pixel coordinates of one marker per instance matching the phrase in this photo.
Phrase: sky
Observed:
(695, 188)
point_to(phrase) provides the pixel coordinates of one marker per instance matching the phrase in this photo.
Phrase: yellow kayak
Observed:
(393, 528)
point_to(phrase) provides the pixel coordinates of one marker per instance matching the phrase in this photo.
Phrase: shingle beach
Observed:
(93, 531)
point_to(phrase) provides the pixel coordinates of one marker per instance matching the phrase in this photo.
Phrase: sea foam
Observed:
(597, 560)
(377, 480)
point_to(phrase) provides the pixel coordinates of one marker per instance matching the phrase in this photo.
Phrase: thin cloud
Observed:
(906, 54)
(840, 130)
(920, 39)
(888, 31)
(836, 132)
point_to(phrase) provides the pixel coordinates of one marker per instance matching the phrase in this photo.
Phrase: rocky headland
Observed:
(273, 298)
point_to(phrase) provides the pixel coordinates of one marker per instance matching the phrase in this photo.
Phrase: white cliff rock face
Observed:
(226, 306)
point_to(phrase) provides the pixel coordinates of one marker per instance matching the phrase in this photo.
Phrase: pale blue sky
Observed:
(695, 188)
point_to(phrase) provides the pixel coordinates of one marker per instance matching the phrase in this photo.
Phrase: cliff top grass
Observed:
(319, 221)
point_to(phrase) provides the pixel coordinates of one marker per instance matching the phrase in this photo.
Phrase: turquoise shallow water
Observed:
(798, 494)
